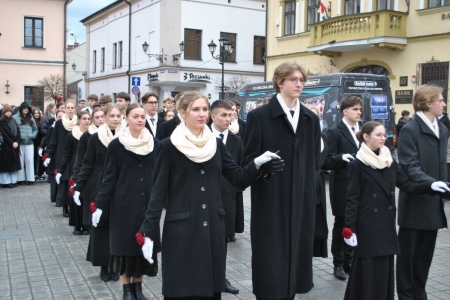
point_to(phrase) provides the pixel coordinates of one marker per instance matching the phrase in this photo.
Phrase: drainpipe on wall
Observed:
(129, 46)
(64, 49)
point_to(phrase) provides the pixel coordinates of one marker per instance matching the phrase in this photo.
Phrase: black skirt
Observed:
(98, 249)
(371, 279)
(89, 193)
(320, 232)
(53, 187)
(133, 266)
(76, 214)
(62, 197)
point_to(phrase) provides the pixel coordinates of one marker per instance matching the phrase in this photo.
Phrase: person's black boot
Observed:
(138, 291)
(104, 274)
(66, 211)
(113, 276)
(128, 292)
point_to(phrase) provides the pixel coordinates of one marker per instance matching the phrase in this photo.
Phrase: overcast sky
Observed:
(78, 10)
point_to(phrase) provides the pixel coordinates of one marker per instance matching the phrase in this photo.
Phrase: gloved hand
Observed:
(96, 217)
(147, 249)
(76, 198)
(440, 186)
(347, 157)
(352, 241)
(267, 156)
(270, 163)
(40, 152)
(46, 162)
(58, 178)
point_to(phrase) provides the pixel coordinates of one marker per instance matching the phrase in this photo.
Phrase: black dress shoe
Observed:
(229, 288)
(113, 276)
(76, 231)
(15, 184)
(347, 267)
(8, 186)
(232, 239)
(20, 182)
(66, 211)
(339, 273)
(30, 182)
(138, 291)
(104, 274)
(128, 292)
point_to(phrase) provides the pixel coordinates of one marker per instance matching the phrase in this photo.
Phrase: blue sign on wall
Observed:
(136, 81)
(379, 107)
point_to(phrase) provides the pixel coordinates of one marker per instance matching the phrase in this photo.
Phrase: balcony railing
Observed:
(359, 26)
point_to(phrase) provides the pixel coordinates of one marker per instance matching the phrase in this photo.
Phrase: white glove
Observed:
(76, 198)
(347, 157)
(58, 178)
(267, 156)
(96, 217)
(40, 152)
(352, 241)
(440, 186)
(46, 162)
(147, 249)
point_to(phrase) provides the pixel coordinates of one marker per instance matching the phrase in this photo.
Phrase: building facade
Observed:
(116, 60)
(408, 41)
(32, 47)
(76, 72)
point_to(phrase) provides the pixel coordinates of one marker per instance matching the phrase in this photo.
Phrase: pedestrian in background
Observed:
(370, 214)
(39, 168)
(402, 121)
(422, 153)
(28, 132)
(50, 113)
(10, 150)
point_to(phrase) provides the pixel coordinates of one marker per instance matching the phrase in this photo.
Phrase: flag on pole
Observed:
(322, 11)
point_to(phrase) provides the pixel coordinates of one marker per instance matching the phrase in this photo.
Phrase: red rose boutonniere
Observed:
(140, 239)
(55, 172)
(72, 191)
(347, 232)
(93, 207)
(44, 157)
(71, 182)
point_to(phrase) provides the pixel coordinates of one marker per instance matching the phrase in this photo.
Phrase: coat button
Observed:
(390, 207)
(203, 189)
(204, 206)
(202, 171)
(140, 165)
(374, 195)
(142, 193)
(392, 193)
(205, 223)
(375, 210)
(142, 179)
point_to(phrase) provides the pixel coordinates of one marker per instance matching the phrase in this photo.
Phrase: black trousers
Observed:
(342, 253)
(413, 264)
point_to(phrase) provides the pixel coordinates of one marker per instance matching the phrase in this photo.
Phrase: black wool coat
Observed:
(242, 126)
(167, 128)
(9, 156)
(159, 122)
(321, 226)
(125, 191)
(55, 148)
(283, 204)
(68, 159)
(81, 151)
(423, 157)
(193, 242)
(229, 192)
(371, 211)
(339, 141)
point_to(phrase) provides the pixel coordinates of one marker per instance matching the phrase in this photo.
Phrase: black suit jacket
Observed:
(159, 121)
(339, 141)
(166, 128)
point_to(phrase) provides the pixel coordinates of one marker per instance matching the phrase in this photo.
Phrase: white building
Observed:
(76, 56)
(117, 62)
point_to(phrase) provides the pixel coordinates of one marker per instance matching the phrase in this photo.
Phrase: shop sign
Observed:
(152, 76)
(403, 97)
(191, 76)
(446, 16)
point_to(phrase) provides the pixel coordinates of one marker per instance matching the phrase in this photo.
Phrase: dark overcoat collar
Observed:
(278, 111)
(344, 129)
(426, 129)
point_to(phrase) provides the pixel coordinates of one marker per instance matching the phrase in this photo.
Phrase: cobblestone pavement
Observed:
(41, 259)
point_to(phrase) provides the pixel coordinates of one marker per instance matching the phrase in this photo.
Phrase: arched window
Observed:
(371, 69)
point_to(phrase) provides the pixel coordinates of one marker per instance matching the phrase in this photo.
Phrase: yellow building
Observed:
(408, 41)
(32, 46)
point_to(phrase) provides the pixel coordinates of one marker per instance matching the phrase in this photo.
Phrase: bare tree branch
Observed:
(53, 86)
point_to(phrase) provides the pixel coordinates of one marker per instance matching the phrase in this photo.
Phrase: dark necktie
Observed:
(153, 121)
(353, 129)
(221, 137)
(292, 113)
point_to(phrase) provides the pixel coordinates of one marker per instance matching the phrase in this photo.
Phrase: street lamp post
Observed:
(225, 53)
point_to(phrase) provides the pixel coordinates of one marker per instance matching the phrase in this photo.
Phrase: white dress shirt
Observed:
(353, 133)
(152, 126)
(217, 133)
(292, 119)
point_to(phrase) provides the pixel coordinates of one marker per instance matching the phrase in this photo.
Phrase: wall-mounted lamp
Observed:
(83, 73)
(413, 78)
(325, 11)
(177, 56)
(7, 87)
(332, 63)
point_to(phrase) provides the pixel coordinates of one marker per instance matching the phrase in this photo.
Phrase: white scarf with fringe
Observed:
(369, 158)
(142, 145)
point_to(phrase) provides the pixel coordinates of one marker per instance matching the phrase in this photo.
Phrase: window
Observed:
(259, 49)
(34, 32)
(385, 5)
(120, 54)
(103, 60)
(437, 3)
(313, 12)
(34, 96)
(193, 40)
(232, 38)
(94, 60)
(114, 63)
(352, 7)
(289, 18)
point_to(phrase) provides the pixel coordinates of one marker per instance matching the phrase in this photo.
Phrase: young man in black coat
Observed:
(150, 103)
(422, 153)
(168, 127)
(221, 116)
(283, 204)
(342, 147)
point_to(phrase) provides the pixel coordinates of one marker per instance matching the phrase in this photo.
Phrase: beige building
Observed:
(409, 43)
(32, 47)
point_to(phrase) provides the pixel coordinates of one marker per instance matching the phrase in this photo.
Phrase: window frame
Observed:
(438, 5)
(291, 15)
(232, 57)
(356, 5)
(33, 37)
(257, 46)
(120, 55)
(314, 8)
(35, 102)
(114, 57)
(383, 4)
(94, 60)
(102, 67)
(189, 40)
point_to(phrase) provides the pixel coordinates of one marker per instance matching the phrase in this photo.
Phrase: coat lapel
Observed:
(230, 144)
(278, 111)
(379, 178)
(347, 133)
(425, 129)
